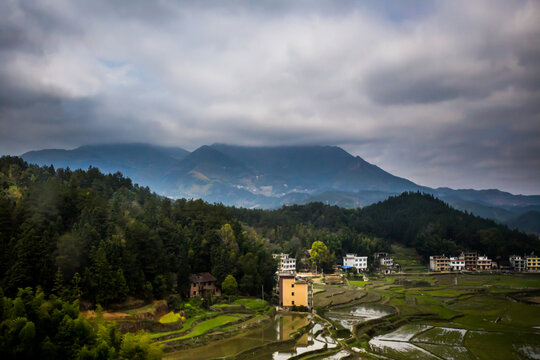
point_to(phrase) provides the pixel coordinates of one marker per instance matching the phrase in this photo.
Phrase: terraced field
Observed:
(463, 316)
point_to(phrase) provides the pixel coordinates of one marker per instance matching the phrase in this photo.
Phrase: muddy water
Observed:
(349, 316)
(278, 329)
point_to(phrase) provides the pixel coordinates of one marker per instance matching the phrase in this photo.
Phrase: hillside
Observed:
(410, 219)
(269, 177)
(529, 222)
(110, 238)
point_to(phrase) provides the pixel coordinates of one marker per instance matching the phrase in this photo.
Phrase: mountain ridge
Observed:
(272, 176)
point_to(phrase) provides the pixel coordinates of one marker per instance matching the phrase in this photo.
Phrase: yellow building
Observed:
(294, 291)
(533, 263)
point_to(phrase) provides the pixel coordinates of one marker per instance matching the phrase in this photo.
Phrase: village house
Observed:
(439, 263)
(457, 263)
(532, 262)
(358, 262)
(484, 263)
(285, 263)
(471, 260)
(203, 284)
(294, 291)
(518, 263)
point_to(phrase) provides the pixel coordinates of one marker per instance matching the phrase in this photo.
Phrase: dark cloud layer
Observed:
(445, 93)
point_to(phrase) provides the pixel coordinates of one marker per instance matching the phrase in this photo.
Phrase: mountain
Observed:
(269, 177)
(143, 163)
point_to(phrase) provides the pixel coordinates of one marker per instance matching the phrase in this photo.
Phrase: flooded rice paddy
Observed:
(276, 331)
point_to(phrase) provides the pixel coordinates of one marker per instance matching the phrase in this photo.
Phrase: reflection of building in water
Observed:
(289, 324)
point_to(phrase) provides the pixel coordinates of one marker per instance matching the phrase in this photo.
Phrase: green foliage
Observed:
(410, 219)
(95, 237)
(34, 327)
(229, 285)
(321, 256)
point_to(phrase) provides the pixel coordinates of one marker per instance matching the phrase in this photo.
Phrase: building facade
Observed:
(294, 291)
(439, 263)
(285, 263)
(471, 260)
(457, 263)
(483, 263)
(203, 284)
(518, 263)
(359, 262)
(532, 262)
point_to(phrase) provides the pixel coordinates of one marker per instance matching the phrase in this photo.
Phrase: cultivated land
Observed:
(400, 316)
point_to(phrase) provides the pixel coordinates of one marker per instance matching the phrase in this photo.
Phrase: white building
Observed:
(457, 263)
(518, 262)
(285, 263)
(359, 262)
(387, 261)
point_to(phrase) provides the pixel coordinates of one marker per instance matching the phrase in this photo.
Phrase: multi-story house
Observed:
(532, 262)
(471, 259)
(457, 263)
(439, 263)
(484, 263)
(294, 291)
(285, 263)
(359, 262)
(518, 263)
(203, 284)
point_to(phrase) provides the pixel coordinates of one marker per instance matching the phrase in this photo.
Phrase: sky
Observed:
(444, 93)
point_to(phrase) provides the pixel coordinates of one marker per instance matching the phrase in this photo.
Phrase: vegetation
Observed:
(229, 285)
(412, 220)
(83, 234)
(33, 326)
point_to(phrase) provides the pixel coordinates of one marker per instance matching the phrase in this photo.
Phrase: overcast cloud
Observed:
(442, 93)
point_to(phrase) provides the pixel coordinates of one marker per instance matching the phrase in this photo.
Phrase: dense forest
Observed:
(101, 238)
(412, 219)
(34, 326)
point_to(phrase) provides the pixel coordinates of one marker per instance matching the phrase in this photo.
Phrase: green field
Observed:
(461, 316)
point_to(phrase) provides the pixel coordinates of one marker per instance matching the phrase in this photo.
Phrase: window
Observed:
(292, 294)
(292, 302)
(194, 293)
(292, 285)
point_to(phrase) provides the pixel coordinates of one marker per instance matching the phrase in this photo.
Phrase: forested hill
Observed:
(104, 238)
(412, 219)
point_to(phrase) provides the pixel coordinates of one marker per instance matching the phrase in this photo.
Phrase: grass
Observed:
(169, 318)
(206, 326)
(359, 283)
(140, 310)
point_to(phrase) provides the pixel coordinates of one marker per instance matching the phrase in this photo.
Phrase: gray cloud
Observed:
(445, 93)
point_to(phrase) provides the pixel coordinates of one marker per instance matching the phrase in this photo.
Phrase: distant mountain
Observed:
(269, 177)
(143, 163)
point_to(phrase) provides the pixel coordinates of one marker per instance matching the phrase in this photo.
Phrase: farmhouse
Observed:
(358, 262)
(285, 263)
(294, 291)
(439, 263)
(203, 284)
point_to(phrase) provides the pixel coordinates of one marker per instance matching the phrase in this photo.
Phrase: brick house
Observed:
(203, 284)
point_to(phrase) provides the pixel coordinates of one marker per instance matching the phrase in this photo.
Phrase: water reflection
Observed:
(279, 329)
(349, 316)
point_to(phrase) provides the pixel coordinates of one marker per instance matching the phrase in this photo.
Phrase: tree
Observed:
(320, 255)
(229, 285)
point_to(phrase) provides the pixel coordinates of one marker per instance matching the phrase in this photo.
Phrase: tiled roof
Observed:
(202, 277)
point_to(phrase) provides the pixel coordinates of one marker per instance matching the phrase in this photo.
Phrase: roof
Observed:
(346, 267)
(202, 277)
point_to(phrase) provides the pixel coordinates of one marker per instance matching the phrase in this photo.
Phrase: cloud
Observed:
(443, 93)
